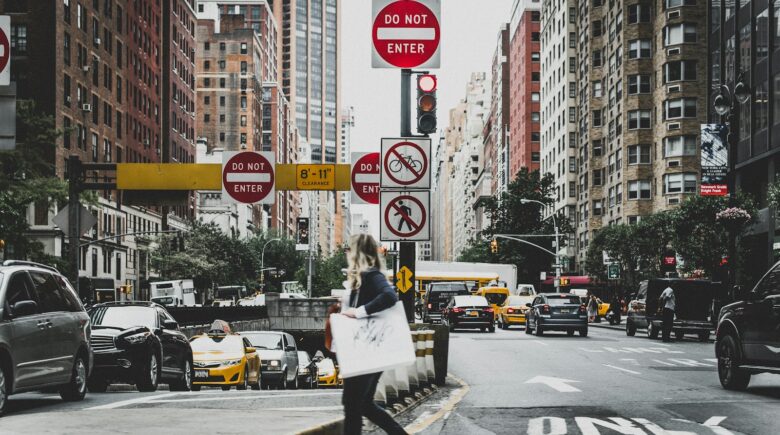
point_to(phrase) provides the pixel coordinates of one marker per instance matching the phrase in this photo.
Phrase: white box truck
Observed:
(177, 293)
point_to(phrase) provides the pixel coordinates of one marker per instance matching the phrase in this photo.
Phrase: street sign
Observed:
(613, 271)
(406, 163)
(404, 216)
(5, 50)
(86, 219)
(542, 276)
(315, 177)
(404, 279)
(248, 177)
(365, 178)
(406, 34)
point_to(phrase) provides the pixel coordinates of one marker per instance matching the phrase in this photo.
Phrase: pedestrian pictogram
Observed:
(248, 177)
(405, 216)
(5, 50)
(403, 279)
(365, 178)
(406, 34)
(406, 163)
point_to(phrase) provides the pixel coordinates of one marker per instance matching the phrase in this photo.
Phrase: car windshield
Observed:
(515, 300)
(526, 291)
(470, 301)
(265, 341)
(303, 358)
(496, 298)
(217, 343)
(563, 300)
(124, 317)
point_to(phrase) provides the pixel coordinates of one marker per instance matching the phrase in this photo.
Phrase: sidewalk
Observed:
(606, 325)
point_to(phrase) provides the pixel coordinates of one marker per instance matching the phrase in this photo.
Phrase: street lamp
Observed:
(557, 242)
(262, 259)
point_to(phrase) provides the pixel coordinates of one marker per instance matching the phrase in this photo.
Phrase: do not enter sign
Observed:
(406, 33)
(365, 178)
(248, 177)
(5, 51)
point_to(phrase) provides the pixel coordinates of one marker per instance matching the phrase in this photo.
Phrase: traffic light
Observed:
(426, 103)
(564, 281)
(494, 246)
(303, 231)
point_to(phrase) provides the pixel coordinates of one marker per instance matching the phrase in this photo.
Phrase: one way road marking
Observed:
(558, 384)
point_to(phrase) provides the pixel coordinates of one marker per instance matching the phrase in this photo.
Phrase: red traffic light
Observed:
(426, 82)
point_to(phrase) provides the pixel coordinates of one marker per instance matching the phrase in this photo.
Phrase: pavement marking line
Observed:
(631, 360)
(305, 409)
(658, 430)
(664, 363)
(559, 384)
(420, 424)
(541, 342)
(137, 400)
(234, 397)
(712, 360)
(621, 369)
(713, 423)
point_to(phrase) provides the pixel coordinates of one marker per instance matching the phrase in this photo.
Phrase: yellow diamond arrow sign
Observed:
(404, 279)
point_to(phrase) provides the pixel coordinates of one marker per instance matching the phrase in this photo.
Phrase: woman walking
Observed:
(370, 294)
(593, 309)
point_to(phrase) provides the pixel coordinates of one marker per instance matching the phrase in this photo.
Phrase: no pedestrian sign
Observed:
(404, 216)
(406, 163)
(406, 34)
(365, 178)
(248, 177)
(5, 50)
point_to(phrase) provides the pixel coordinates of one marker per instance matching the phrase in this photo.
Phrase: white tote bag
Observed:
(373, 344)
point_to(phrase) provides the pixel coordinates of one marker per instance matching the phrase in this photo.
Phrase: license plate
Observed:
(474, 314)
(201, 374)
(565, 311)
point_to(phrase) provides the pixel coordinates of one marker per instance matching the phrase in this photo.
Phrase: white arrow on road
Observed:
(559, 384)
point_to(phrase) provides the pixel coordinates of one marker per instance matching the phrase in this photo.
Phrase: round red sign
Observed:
(365, 178)
(406, 33)
(248, 177)
(5, 50)
(405, 211)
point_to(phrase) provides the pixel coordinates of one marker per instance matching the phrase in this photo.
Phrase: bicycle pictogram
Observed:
(411, 163)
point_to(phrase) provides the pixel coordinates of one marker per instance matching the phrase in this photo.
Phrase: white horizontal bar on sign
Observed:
(406, 33)
(366, 178)
(248, 177)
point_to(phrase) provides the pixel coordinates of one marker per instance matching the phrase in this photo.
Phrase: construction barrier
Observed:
(397, 384)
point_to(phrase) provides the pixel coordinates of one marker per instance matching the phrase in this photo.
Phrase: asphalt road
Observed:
(606, 383)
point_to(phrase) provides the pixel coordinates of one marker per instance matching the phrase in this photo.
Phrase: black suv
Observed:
(138, 343)
(747, 338)
(437, 296)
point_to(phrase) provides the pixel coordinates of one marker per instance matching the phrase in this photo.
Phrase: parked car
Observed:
(512, 312)
(695, 302)
(747, 340)
(469, 312)
(437, 295)
(307, 370)
(138, 343)
(279, 354)
(224, 359)
(44, 333)
(557, 312)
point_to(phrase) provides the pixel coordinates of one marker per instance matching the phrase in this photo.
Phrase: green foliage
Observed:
(328, 273)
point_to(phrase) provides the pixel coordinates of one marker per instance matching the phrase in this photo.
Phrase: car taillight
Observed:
(546, 309)
(488, 310)
(457, 310)
(430, 306)
(510, 310)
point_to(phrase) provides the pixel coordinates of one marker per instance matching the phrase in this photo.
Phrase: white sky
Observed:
(469, 36)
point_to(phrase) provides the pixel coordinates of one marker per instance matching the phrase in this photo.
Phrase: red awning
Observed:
(573, 280)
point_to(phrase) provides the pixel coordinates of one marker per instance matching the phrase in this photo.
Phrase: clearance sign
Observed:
(406, 34)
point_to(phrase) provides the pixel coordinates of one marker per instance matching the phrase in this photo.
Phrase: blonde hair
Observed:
(363, 255)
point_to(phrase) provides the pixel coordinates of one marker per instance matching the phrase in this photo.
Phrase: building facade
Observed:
(497, 128)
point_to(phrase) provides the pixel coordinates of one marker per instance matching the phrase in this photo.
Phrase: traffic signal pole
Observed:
(407, 250)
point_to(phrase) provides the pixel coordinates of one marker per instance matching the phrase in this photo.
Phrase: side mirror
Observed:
(170, 324)
(250, 349)
(528, 305)
(24, 308)
(290, 348)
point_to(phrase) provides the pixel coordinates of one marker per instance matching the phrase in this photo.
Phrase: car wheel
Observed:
(97, 385)
(679, 335)
(491, 329)
(195, 388)
(185, 382)
(538, 330)
(294, 384)
(451, 326)
(652, 331)
(226, 388)
(3, 392)
(283, 382)
(244, 385)
(149, 375)
(570, 333)
(584, 332)
(597, 319)
(528, 329)
(704, 336)
(729, 358)
(76, 389)
(630, 329)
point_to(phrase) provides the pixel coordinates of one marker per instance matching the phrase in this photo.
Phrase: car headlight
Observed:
(136, 338)
(303, 370)
(231, 362)
(274, 365)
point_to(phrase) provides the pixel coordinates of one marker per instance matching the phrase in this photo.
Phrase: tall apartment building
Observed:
(347, 124)
(642, 90)
(525, 78)
(497, 128)
(559, 103)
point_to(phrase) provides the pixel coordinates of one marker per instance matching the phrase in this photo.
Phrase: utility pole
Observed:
(74, 212)
(407, 250)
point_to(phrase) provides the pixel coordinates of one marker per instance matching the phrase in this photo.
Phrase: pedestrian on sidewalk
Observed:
(593, 309)
(370, 294)
(668, 302)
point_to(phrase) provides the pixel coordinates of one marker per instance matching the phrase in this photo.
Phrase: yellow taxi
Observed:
(224, 359)
(328, 373)
(496, 296)
(512, 311)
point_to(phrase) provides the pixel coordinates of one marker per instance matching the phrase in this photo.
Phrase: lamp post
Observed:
(262, 260)
(557, 243)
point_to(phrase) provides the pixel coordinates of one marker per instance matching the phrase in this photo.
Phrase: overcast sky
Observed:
(469, 32)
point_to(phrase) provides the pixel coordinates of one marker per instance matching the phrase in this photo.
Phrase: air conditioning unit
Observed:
(673, 164)
(673, 126)
(86, 107)
(67, 98)
(675, 88)
(673, 51)
(85, 68)
(97, 41)
(673, 14)
(673, 201)
(146, 142)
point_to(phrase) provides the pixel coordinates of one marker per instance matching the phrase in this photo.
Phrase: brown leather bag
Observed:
(333, 308)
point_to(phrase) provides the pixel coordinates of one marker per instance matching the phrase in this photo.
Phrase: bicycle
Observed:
(396, 165)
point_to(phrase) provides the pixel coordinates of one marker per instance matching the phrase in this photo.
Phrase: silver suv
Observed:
(44, 333)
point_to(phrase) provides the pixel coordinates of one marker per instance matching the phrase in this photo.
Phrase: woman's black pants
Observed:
(358, 401)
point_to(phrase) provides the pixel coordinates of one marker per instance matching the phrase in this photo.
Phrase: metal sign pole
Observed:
(407, 250)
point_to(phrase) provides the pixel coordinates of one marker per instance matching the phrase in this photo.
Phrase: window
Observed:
(222, 46)
(597, 89)
(596, 28)
(66, 10)
(597, 58)
(680, 183)
(207, 46)
(597, 115)
(243, 48)
(207, 82)
(243, 102)
(639, 189)
(638, 13)
(66, 48)
(19, 289)
(598, 177)
(66, 126)
(536, 16)
(535, 76)
(639, 84)
(222, 118)
(222, 101)
(243, 138)
(535, 136)
(206, 100)
(572, 115)
(638, 119)
(535, 157)
(534, 96)
(222, 82)
(535, 36)
(52, 297)
(206, 65)
(677, 3)
(66, 89)
(535, 117)
(680, 108)
(243, 67)
(597, 3)
(639, 154)
(679, 34)
(598, 147)
(681, 70)
(243, 120)
(639, 48)
(677, 146)
(206, 118)
(535, 56)
(81, 17)
(222, 136)
(598, 206)
(19, 39)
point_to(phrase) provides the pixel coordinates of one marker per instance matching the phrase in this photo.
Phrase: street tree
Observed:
(328, 273)
(279, 254)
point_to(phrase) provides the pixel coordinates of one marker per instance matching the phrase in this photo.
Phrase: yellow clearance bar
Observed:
(208, 176)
